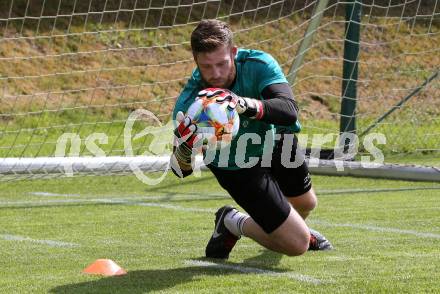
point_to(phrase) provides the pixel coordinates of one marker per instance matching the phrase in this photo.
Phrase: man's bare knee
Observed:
(293, 236)
(312, 202)
(297, 245)
(305, 203)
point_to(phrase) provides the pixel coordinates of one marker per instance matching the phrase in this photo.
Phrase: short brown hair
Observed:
(209, 35)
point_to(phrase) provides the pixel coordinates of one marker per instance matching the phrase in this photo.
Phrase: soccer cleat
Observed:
(222, 240)
(318, 241)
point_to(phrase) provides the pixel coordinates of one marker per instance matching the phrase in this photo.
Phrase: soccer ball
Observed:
(216, 123)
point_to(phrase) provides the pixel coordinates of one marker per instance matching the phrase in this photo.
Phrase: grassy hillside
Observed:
(90, 76)
(107, 67)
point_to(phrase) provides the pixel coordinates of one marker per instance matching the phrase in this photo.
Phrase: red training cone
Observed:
(105, 267)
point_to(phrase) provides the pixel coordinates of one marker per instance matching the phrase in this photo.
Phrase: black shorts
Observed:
(262, 191)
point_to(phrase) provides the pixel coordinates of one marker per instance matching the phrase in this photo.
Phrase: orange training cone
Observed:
(105, 267)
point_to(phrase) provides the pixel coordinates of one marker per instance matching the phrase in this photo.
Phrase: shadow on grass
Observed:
(266, 259)
(142, 281)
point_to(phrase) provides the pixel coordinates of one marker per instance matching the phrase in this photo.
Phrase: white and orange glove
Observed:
(185, 139)
(248, 107)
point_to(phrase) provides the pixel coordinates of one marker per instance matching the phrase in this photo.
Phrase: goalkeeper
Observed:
(276, 199)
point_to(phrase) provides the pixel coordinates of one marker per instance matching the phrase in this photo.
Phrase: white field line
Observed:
(379, 229)
(130, 201)
(156, 204)
(169, 206)
(45, 202)
(336, 192)
(165, 196)
(48, 194)
(135, 201)
(253, 270)
(125, 200)
(51, 243)
(182, 196)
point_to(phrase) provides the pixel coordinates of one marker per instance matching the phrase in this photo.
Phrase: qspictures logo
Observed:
(144, 131)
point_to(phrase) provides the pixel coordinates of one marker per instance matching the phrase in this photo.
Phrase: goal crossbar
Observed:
(126, 164)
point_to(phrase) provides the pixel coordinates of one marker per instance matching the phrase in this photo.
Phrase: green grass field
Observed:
(385, 234)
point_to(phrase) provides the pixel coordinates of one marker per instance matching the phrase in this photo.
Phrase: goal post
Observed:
(73, 73)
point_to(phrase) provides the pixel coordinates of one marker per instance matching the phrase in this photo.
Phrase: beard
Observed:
(220, 83)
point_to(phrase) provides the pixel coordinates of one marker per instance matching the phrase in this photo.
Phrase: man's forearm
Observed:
(279, 107)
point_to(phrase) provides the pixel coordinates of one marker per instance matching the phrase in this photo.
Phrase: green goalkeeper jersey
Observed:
(255, 70)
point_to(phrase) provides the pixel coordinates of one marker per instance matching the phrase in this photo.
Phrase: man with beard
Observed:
(276, 199)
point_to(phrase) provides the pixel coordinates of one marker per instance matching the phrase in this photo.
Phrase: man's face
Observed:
(217, 67)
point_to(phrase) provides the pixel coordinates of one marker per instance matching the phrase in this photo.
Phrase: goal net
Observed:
(89, 86)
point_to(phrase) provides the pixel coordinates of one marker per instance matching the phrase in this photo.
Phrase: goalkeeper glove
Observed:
(185, 139)
(248, 107)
